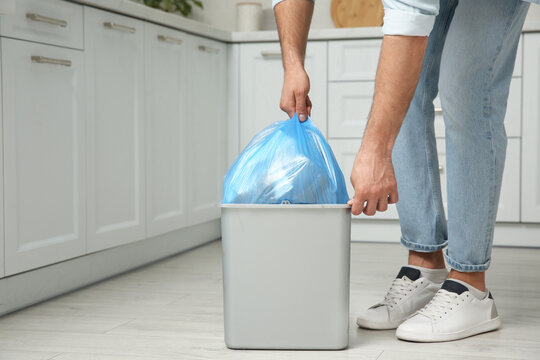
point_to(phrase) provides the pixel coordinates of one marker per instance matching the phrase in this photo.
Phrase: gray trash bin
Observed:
(286, 276)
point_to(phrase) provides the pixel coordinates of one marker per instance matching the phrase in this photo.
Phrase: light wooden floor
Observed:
(173, 310)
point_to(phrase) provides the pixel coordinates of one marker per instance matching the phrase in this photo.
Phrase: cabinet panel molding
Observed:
(166, 129)
(353, 59)
(349, 104)
(116, 149)
(44, 155)
(207, 127)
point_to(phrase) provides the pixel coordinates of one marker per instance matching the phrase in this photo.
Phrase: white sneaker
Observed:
(408, 293)
(453, 313)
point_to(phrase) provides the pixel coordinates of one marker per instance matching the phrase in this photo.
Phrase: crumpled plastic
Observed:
(287, 162)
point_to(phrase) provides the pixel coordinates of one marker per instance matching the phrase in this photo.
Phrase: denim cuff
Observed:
(464, 267)
(407, 23)
(421, 247)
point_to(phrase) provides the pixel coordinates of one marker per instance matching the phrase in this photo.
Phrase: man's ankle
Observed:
(475, 279)
(429, 260)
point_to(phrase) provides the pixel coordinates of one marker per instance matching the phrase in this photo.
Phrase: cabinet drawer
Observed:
(512, 119)
(348, 108)
(54, 22)
(353, 59)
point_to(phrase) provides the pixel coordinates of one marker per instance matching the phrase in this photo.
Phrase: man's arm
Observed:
(398, 71)
(406, 27)
(293, 18)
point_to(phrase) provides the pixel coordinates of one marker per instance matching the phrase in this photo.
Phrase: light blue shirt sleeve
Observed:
(406, 17)
(409, 17)
(275, 2)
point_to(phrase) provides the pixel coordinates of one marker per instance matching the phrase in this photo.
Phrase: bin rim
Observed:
(286, 206)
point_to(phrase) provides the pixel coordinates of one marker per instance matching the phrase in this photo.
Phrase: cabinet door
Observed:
(530, 171)
(349, 104)
(345, 153)
(166, 118)
(509, 207)
(116, 161)
(207, 127)
(261, 80)
(44, 152)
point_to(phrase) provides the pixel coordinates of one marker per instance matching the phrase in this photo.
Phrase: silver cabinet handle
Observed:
(169, 39)
(441, 168)
(111, 25)
(268, 54)
(46, 60)
(208, 49)
(45, 19)
(438, 110)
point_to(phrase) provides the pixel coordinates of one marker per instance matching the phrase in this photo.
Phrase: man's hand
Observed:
(294, 96)
(374, 183)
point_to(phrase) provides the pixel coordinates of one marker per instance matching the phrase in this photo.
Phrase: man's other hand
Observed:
(374, 183)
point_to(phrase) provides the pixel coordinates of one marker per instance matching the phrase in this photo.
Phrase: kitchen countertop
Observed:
(130, 8)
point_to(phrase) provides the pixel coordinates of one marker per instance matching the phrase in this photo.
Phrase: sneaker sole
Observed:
(378, 326)
(487, 326)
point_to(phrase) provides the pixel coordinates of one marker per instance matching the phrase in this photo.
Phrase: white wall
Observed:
(222, 14)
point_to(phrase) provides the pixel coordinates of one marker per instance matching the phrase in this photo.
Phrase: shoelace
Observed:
(400, 288)
(442, 303)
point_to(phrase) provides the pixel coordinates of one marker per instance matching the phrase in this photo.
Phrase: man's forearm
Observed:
(293, 18)
(398, 71)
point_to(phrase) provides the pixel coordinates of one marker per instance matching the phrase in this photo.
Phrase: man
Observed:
(468, 58)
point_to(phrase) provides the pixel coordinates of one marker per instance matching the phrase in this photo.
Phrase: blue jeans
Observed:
(469, 59)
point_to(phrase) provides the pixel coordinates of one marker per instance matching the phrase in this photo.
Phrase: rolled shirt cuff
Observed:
(398, 22)
(275, 2)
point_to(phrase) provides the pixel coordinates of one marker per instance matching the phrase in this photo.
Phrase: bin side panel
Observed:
(286, 277)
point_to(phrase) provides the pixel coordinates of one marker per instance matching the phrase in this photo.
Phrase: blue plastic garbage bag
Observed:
(287, 162)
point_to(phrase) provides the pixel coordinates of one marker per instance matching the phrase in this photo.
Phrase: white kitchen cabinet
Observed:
(261, 81)
(345, 152)
(115, 111)
(167, 172)
(353, 59)
(530, 171)
(509, 207)
(44, 154)
(349, 104)
(207, 127)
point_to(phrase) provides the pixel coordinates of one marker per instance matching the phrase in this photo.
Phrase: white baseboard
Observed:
(506, 234)
(30, 287)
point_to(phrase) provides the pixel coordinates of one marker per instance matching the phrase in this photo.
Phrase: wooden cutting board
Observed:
(357, 13)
